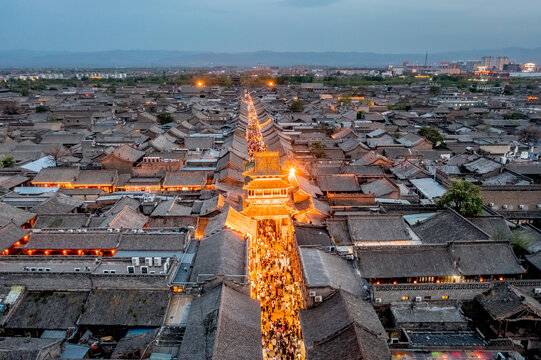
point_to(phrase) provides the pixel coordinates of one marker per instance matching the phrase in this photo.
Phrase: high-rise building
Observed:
(501, 61)
(511, 67)
(488, 61)
(529, 67)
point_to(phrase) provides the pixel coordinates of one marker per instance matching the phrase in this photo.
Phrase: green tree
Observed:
(24, 92)
(515, 116)
(433, 136)
(42, 108)
(296, 106)
(165, 118)
(434, 90)
(52, 119)
(464, 197)
(6, 161)
(317, 149)
(508, 90)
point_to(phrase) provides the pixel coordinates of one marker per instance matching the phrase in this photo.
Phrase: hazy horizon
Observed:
(236, 26)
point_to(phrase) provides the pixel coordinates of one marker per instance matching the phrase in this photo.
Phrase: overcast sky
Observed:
(385, 26)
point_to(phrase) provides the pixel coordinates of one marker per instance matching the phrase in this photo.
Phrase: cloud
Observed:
(308, 3)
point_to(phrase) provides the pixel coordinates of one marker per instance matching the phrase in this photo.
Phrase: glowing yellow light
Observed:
(200, 83)
(292, 171)
(271, 83)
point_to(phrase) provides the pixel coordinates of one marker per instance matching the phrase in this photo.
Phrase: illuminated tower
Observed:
(268, 191)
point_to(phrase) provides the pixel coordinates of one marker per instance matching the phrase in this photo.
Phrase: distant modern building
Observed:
(511, 67)
(487, 61)
(501, 61)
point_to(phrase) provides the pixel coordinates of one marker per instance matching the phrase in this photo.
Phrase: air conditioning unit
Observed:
(148, 261)
(318, 298)
(377, 300)
(152, 272)
(112, 271)
(77, 269)
(47, 269)
(538, 206)
(350, 257)
(311, 293)
(537, 291)
(131, 270)
(491, 204)
(40, 269)
(418, 299)
(106, 271)
(331, 248)
(521, 206)
(135, 261)
(157, 261)
(144, 269)
(109, 230)
(32, 269)
(505, 206)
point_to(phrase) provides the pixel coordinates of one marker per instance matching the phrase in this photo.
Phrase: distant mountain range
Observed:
(161, 58)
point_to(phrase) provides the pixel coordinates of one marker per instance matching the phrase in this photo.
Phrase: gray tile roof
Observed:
(453, 259)
(377, 228)
(10, 234)
(446, 226)
(223, 324)
(322, 269)
(223, 253)
(343, 327)
(15, 215)
(42, 309)
(128, 308)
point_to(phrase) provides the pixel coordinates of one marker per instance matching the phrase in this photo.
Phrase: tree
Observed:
(296, 106)
(515, 116)
(13, 108)
(508, 90)
(464, 197)
(57, 153)
(531, 134)
(317, 149)
(360, 115)
(433, 136)
(6, 161)
(434, 90)
(42, 108)
(165, 118)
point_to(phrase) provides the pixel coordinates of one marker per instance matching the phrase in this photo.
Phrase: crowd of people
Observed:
(254, 137)
(273, 284)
